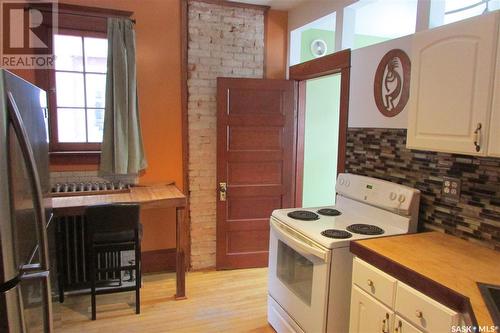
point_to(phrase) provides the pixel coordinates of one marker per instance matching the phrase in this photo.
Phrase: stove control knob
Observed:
(347, 183)
(341, 181)
(401, 198)
(393, 196)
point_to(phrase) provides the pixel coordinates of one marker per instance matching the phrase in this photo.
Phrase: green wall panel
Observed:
(321, 141)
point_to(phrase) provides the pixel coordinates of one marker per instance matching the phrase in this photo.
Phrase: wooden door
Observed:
(369, 315)
(256, 122)
(450, 94)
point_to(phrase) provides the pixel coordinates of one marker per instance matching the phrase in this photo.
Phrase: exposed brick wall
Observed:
(382, 153)
(223, 42)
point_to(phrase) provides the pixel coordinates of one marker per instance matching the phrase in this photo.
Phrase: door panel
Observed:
(252, 207)
(255, 157)
(243, 138)
(34, 286)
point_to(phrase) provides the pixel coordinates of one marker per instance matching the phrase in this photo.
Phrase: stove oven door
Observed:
(299, 272)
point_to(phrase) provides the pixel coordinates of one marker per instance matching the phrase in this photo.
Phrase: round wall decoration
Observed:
(391, 86)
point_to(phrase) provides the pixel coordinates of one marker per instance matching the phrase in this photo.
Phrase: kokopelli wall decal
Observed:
(392, 83)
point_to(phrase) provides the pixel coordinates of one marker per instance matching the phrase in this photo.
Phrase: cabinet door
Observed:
(402, 326)
(494, 141)
(451, 86)
(369, 315)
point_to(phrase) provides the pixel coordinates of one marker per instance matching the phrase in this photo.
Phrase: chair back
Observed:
(112, 218)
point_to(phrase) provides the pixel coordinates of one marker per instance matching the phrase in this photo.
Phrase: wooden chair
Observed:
(113, 228)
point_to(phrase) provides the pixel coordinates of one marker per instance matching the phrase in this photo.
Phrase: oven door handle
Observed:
(298, 241)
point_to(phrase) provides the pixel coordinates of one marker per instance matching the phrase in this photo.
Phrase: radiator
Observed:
(73, 268)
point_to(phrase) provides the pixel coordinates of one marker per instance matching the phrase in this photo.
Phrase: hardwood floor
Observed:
(218, 301)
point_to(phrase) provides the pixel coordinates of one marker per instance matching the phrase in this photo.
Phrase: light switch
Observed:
(451, 189)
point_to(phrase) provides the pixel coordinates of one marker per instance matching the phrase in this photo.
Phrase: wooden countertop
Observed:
(150, 196)
(442, 266)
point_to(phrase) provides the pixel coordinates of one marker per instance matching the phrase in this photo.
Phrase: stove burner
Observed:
(365, 229)
(335, 233)
(329, 212)
(303, 215)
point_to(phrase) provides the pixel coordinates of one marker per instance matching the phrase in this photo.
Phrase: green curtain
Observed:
(122, 150)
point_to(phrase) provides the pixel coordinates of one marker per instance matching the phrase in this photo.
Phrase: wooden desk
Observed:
(149, 197)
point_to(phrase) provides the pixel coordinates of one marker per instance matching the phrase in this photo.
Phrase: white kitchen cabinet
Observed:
(494, 140)
(369, 315)
(452, 74)
(411, 311)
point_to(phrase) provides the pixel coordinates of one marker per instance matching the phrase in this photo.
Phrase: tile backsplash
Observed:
(382, 153)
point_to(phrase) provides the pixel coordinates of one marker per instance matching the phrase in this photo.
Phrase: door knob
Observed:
(222, 191)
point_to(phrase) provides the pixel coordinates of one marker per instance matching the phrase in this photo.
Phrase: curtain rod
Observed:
(102, 16)
(90, 15)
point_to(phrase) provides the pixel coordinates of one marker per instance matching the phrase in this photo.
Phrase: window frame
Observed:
(81, 19)
(55, 145)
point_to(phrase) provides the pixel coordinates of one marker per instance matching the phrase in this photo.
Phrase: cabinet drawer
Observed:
(402, 326)
(424, 312)
(374, 281)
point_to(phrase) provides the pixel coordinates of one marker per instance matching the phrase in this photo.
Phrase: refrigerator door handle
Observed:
(31, 268)
(36, 189)
(35, 276)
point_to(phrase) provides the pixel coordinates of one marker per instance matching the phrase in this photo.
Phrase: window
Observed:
(369, 22)
(449, 11)
(313, 40)
(80, 82)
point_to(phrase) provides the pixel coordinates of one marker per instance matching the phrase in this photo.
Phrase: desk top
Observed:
(148, 196)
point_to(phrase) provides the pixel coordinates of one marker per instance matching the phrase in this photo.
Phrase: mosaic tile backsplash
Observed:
(382, 153)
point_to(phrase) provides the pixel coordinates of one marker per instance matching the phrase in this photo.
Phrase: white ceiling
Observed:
(274, 4)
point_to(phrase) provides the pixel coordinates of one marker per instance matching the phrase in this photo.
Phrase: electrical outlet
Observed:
(451, 188)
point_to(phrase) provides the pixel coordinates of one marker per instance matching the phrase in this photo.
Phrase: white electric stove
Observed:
(309, 259)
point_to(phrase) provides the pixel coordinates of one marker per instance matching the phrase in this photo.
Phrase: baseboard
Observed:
(158, 261)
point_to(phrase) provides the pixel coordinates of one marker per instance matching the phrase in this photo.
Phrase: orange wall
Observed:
(276, 44)
(159, 88)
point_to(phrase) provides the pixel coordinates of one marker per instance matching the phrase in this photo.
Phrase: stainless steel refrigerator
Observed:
(25, 214)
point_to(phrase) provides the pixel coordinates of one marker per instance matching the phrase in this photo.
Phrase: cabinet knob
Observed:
(370, 283)
(419, 314)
